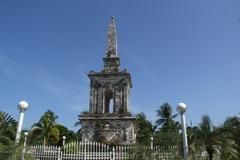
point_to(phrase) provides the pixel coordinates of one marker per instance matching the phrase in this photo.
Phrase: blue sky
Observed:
(176, 51)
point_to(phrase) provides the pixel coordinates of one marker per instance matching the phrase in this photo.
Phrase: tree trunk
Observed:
(44, 141)
(210, 153)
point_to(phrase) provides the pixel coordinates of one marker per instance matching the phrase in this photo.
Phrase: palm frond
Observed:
(54, 134)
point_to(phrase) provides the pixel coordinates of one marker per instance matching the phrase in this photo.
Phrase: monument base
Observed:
(112, 130)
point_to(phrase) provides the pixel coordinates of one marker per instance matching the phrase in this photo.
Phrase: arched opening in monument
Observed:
(111, 106)
(109, 101)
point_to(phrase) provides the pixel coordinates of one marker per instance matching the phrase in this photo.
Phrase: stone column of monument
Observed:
(109, 119)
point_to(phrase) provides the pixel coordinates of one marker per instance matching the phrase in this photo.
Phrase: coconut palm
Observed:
(165, 117)
(228, 139)
(232, 126)
(8, 127)
(208, 135)
(195, 145)
(226, 147)
(144, 129)
(69, 134)
(45, 130)
(218, 142)
(79, 122)
(167, 128)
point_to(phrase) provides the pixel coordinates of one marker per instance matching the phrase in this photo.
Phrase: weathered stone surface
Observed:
(109, 117)
(109, 129)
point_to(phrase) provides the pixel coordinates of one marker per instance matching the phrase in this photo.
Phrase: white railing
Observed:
(86, 150)
(41, 152)
(97, 151)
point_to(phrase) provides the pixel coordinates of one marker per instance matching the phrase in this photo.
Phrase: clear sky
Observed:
(176, 51)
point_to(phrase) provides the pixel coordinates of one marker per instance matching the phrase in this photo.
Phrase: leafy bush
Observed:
(13, 152)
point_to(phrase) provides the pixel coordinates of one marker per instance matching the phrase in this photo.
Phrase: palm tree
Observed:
(217, 140)
(144, 129)
(232, 126)
(167, 128)
(195, 145)
(69, 134)
(166, 119)
(46, 129)
(227, 147)
(79, 122)
(228, 139)
(208, 135)
(8, 127)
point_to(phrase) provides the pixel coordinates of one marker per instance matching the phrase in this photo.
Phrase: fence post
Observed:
(64, 140)
(85, 152)
(113, 153)
(59, 153)
(24, 145)
(151, 143)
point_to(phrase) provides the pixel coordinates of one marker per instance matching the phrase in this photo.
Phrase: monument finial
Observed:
(112, 39)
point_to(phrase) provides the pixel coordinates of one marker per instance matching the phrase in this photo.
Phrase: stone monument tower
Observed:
(109, 119)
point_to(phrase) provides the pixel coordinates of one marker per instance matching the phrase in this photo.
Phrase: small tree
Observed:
(167, 128)
(79, 122)
(208, 135)
(8, 126)
(45, 130)
(69, 134)
(195, 145)
(165, 117)
(144, 129)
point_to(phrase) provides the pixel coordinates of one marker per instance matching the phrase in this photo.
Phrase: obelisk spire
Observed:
(112, 39)
(111, 61)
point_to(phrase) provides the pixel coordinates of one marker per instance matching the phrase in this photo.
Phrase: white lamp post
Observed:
(22, 106)
(151, 142)
(24, 145)
(64, 140)
(181, 109)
